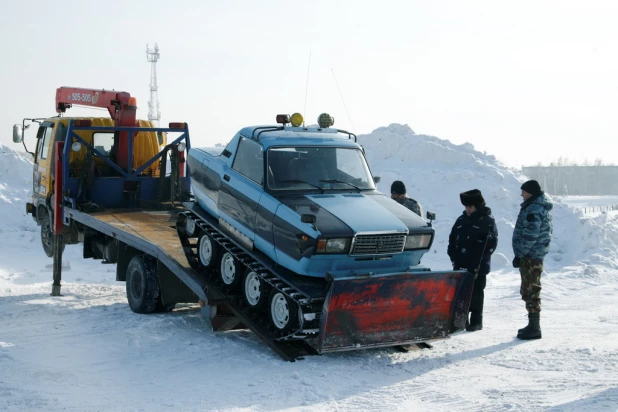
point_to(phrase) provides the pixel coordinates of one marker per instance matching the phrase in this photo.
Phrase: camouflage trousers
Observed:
(530, 271)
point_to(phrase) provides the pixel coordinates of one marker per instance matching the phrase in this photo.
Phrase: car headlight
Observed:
(418, 241)
(338, 245)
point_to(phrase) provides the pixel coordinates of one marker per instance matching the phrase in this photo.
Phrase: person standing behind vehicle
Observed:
(472, 241)
(531, 239)
(398, 194)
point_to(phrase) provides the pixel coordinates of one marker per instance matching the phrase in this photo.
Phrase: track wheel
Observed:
(283, 312)
(255, 290)
(142, 285)
(208, 251)
(229, 270)
(191, 229)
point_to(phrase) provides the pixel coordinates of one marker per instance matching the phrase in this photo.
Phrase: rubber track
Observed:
(311, 309)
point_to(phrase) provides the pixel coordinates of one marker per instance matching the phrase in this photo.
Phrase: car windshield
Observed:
(323, 168)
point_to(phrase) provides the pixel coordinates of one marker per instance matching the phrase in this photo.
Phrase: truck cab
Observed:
(306, 198)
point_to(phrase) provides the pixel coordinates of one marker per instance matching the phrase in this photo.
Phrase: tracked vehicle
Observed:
(287, 222)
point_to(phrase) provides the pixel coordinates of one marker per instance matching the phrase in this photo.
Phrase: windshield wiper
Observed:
(340, 181)
(300, 181)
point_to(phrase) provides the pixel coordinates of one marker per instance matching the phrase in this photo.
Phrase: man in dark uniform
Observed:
(531, 239)
(398, 194)
(472, 241)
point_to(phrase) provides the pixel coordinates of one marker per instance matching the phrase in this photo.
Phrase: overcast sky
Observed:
(527, 81)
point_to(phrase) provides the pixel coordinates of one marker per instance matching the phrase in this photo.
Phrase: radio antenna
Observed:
(307, 88)
(343, 101)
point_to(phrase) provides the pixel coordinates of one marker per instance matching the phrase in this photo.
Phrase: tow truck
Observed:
(105, 183)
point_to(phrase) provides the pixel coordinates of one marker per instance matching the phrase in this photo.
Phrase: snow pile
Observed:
(15, 191)
(435, 171)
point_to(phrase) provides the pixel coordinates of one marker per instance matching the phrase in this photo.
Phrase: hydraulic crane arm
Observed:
(121, 106)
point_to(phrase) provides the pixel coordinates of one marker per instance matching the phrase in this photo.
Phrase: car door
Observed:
(241, 189)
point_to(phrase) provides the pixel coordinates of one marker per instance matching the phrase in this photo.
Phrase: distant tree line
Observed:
(565, 161)
(563, 178)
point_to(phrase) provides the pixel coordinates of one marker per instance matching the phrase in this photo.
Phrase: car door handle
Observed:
(226, 178)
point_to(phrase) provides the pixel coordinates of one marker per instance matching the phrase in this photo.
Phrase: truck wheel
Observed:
(142, 285)
(229, 270)
(47, 236)
(256, 292)
(283, 312)
(207, 250)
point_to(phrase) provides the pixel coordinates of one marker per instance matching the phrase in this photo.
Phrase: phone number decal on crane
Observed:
(80, 97)
(83, 97)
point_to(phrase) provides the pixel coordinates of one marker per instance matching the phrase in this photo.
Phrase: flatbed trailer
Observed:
(153, 232)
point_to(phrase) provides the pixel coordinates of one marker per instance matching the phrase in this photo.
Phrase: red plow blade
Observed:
(394, 309)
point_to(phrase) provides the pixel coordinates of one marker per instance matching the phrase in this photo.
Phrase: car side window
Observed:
(249, 160)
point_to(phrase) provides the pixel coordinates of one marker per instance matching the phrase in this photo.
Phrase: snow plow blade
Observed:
(394, 309)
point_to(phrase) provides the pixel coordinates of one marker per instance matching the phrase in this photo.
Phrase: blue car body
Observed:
(306, 199)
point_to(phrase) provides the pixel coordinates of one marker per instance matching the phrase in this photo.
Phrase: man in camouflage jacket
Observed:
(398, 194)
(531, 239)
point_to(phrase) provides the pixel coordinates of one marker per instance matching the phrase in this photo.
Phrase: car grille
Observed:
(378, 244)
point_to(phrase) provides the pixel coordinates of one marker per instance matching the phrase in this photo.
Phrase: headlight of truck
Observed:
(418, 241)
(338, 245)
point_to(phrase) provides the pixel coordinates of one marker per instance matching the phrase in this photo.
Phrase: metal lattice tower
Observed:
(154, 115)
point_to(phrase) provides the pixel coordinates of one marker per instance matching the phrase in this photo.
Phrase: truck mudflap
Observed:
(394, 309)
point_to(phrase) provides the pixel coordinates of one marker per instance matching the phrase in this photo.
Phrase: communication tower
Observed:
(154, 115)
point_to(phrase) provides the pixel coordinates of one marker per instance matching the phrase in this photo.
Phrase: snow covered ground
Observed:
(86, 351)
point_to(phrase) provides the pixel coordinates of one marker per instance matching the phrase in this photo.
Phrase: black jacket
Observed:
(467, 241)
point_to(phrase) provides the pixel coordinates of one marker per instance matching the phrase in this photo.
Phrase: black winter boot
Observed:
(533, 330)
(476, 322)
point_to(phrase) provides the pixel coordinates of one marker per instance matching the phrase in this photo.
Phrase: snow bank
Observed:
(15, 191)
(435, 171)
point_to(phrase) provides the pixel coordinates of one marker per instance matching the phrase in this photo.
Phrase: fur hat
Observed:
(533, 187)
(472, 198)
(398, 187)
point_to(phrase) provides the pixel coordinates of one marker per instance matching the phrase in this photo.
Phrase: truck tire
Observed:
(207, 252)
(255, 290)
(230, 271)
(142, 285)
(283, 312)
(47, 236)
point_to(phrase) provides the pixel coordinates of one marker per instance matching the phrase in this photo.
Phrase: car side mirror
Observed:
(311, 219)
(431, 216)
(18, 133)
(376, 179)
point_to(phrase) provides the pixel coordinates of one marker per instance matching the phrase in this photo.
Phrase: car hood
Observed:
(352, 213)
